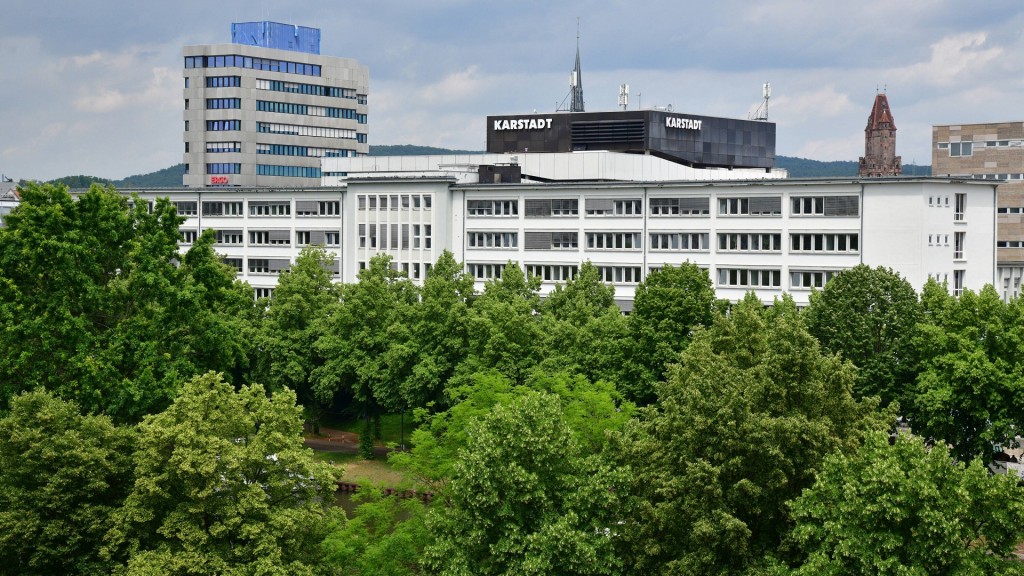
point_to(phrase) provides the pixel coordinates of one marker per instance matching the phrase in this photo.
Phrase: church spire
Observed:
(880, 157)
(576, 83)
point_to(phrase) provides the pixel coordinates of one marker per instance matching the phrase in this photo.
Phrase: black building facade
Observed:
(697, 141)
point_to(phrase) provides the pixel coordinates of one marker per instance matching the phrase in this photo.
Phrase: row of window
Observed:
(843, 206)
(1004, 176)
(394, 201)
(966, 148)
(1011, 210)
(306, 151)
(309, 110)
(223, 168)
(223, 82)
(217, 147)
(401, 236)
(268, 237)
(260, 208)
(315, 131)
(239, 61)
(290, 171)
(670, 241)
(223, 103)
(223, 125)
(310, 89)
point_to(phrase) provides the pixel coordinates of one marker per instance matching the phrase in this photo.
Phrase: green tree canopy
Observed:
(224, 484)
(62, 476)
(96, 308)
(907, 509)
(970, 389)
(667, 307)
(741, 426)
(523, 500)
(869, 316)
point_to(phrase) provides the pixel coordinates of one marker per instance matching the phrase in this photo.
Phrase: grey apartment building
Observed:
(993, 151)
(264, 109)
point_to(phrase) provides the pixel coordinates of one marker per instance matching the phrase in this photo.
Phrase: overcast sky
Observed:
(95, 87)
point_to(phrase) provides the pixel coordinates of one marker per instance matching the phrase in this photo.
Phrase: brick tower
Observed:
(880, 157)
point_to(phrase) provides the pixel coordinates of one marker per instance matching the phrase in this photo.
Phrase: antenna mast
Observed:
(575, 95)
(624, 96)
(762, 110)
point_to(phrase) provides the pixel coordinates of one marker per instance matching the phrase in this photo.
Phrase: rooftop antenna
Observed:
(575, 95)
(762, 110)
(624, 96)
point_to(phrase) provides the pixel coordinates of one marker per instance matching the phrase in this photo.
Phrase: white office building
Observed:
(264, 110)
(770, 235)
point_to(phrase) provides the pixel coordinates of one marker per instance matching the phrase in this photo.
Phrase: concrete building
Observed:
(770, 236)
(264, 109)
(993, 152)
(880, 157)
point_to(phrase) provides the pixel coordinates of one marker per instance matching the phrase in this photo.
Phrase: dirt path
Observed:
(331, 440)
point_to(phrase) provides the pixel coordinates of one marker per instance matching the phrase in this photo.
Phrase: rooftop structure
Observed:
(880, 157)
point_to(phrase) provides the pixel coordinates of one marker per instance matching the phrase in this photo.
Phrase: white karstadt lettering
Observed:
(523, 124)
(684, 123)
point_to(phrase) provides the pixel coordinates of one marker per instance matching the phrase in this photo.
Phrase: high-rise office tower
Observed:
(263, 110)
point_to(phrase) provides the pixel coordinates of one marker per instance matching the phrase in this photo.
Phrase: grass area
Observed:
(390, 426)
(377, 471)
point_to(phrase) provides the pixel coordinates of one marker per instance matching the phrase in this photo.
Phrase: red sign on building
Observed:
(218, 179)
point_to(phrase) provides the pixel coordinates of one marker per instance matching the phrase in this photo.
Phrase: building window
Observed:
(222, 208)
(498, 208)
(269, 238)
(229, 237)
(186, 208)
(223, 103)
(808, 206)
(749, 242)
(317, 208)
(756, 206)
(224, 168)
(552, 272)
(300, 130)
(288, 171)
(960, 206)
(620, 274)
(235, 263)
(270, 208)
(825, 242)
(612, 207)
(223, 81)
(680, 241)
(478, 271)
(188, 236)
(500, 240)
(259, 293)
(960, 149)
(239, 61)
(746, 278)
(803, 279)
(958, 282)
(539, 208)
(958, 245)
(613, 240)
(218, 147)
(680, 206)
(223, 125)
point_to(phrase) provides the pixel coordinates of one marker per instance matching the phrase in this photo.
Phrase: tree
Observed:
(440, 331)
(667, 307)
(224, 484)
(62, 476)
(295, 319)
(906, 508)
(95, 307)
(740, 427)
(386, 536)
(584, 331)
(366, 343)
(869, 316)
(970, 390)
(523, 500)
(504, 331)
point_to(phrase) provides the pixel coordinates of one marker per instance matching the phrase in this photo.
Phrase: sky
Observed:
(95, 87)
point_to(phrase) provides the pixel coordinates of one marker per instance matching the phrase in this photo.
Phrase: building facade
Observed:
(264, 110)
(768, 236)
(880, 157)
(992, 152)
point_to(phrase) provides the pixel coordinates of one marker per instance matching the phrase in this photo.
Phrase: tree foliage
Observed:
(223, 484)
(95, 308)
(869, 316)
(741, 426)
(970, 388)
(62, 476)
(907, 509)
(523, 500)
(667, 307)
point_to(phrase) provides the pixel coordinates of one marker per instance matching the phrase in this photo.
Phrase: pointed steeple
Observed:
(576, 82)
(880, 157)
